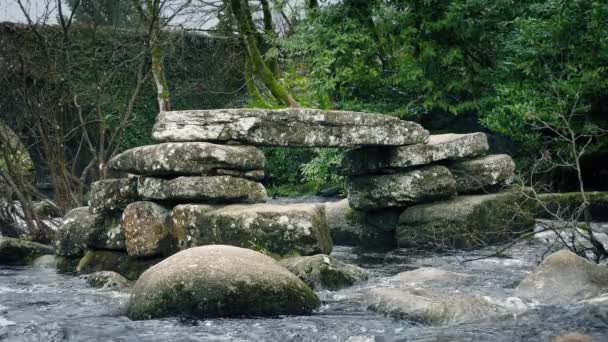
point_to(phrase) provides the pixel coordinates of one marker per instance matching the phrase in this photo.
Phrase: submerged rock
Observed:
(428, 183)
(287, 127)
(563, 278)
(146, 228)
(112, 195)
(191, 159)
(277, 229)
(219, 281)
(72, 236)
(107, 280)
(213, 189)
(21, 252)
(120, 262)
(486, 174)
(324, 272)
(465, 221)
(440, 147)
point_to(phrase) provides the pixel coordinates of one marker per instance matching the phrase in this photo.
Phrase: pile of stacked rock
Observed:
(441, 191)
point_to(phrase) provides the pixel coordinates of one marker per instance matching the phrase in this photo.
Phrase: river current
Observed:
(39, 304)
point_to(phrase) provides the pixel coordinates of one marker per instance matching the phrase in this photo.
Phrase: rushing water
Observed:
(38, 304)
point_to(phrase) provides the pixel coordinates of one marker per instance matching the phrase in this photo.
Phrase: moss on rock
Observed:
(121, 263)
(21, 252)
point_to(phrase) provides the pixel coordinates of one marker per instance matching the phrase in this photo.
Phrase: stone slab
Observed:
(483, 175)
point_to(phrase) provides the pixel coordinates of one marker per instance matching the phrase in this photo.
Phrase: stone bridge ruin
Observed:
(200, 185)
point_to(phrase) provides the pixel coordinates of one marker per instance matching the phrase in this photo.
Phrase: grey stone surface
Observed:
(206, 189)
(465, 221)
(119, 262)
(72, 236)
(146, 228)
(108, 233)
(485, 174)
(107, 280)
(277, 229)
(219, 281)
(324, 272)
(428, 183)
(21, 252)
(287, 127)
(388, 159)
(112, 195)
(563, 278)
(191, 159)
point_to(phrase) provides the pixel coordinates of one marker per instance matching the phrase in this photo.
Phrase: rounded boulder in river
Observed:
(219, 281)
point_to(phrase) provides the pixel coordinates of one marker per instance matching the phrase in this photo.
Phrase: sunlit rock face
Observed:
(219, 281)
(112, 195)
(440, 147)
(287, 127)
(299, 229)
(191, 159)
(483, 175)
(563, 278)
(465, 221)
(212, 189)
(146, 230)
(426, 184)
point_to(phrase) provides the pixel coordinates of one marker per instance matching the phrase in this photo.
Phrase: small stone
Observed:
(112, 195)
(426, 184)
(563, 278)
(107, 280)
(277, 229)
(388, 159)
(483, 175)
(324, 272)
(191, 159)
(287, 127)
(213, 189)
(145, 225)
(72, 236)
(219, 281)
(21, 252)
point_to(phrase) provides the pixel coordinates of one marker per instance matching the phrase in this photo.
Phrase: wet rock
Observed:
(146, 228)
(431, 307)
(191, 159)
(349, 227)
(465, 221)
(287, 127)
(108, 233)
(45, 261)
(563, 278)
(72, 236)
(112, 195)
(324, 272)
(119, 262)
(440, 147)
(486, 174)
(278, 229)
(21, 252)
(219, 281)
(214, 189)
(429, 183)
(108, 280)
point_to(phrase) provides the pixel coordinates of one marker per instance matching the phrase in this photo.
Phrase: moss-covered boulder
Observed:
(113, 195)
(366, 160)
(324, 272)
(108, 233)
(568, 202)
(72, 236)
(21, 252)
(426, 184)
(564, 278)
(483, 175)
(107, 280)
(219, 281)
(465, 221)
(146, 227)
(119, 262)
(191, 159)
(277, 229)
(212, 189)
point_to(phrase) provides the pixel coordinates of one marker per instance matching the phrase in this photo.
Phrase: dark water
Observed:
(37, 304)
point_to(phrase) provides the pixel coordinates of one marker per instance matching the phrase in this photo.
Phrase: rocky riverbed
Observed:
(39, 304)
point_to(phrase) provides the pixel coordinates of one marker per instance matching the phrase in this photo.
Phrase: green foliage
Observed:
(321, 171)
